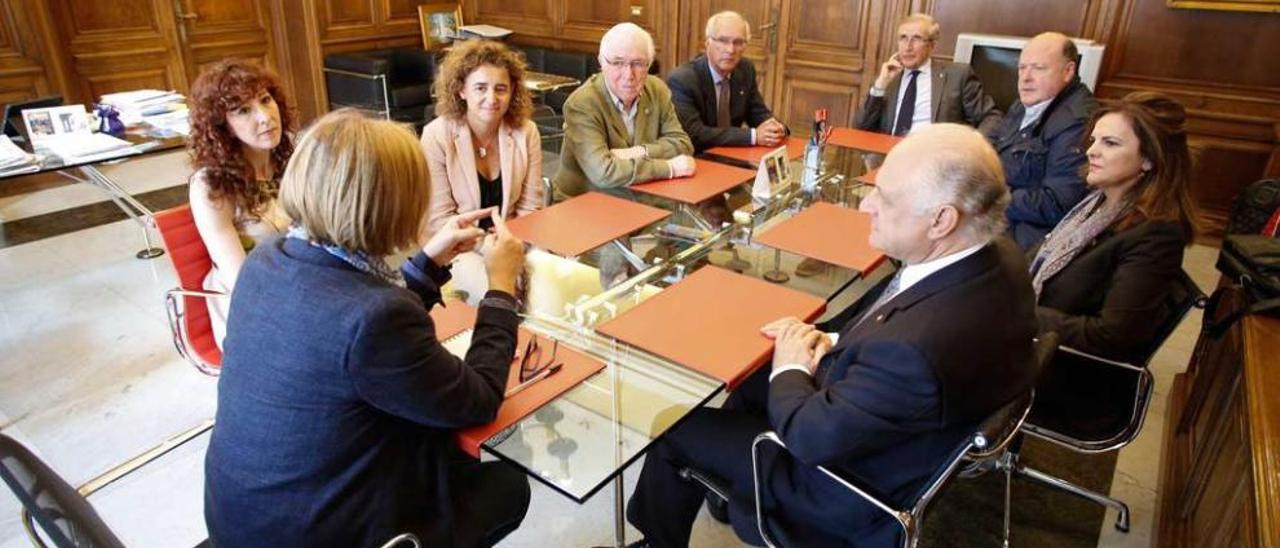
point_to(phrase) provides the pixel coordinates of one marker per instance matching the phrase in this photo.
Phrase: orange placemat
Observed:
(582, 223)
(710, 179)
(868, 178)
(828, 233)
(710, 322)
(752, 155)
(863, 140)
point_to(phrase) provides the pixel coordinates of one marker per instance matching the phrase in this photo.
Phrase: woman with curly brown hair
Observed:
(1102, 276)
(482, 149)
(239, 146)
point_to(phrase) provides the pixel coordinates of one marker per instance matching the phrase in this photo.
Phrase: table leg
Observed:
(619, 512)
(776, 275)
(123, 200)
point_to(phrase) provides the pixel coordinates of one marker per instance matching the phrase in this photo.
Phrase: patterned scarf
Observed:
(373, 266)
(1075, 232)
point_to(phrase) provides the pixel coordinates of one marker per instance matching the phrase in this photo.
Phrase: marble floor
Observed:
(89, 378)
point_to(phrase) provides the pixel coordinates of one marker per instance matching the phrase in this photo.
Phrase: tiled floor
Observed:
(89, 377)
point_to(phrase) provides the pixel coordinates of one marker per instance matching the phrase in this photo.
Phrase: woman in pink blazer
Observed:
(482, 149)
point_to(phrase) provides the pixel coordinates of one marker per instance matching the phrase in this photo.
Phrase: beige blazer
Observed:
(455, 187)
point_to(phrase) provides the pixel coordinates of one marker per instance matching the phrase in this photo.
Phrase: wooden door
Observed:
(763, 16)
(823, 59)
(212, 30)
(118, 46)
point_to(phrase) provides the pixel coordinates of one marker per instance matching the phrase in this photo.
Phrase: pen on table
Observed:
(539, 376)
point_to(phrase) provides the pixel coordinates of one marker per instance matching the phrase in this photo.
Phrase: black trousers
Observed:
(489, 502)
(715, 442)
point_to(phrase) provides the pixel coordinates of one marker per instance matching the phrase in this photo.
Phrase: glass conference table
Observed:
(582, 440)
(144, 140)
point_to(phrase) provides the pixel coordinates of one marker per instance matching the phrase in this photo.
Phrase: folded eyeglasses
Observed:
(531, 363)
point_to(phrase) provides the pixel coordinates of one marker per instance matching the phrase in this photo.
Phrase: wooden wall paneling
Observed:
(117, 46)
(22, 60)
(212, 30)
(823, 59)
(524, 17)
(1071, 17)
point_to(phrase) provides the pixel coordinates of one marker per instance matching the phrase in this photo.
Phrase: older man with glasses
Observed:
(716, 95)
(913, 90)
(620, 127)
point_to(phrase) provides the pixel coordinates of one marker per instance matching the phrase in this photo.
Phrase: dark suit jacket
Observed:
(1042, 164)
(1110, 299)
(337, 405)
(957, 97)
(694, 94)
(899, 392)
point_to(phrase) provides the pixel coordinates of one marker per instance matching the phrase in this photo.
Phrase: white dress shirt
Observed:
(1034, 112)
(909, 276)
(628, 115)
(716, 78)
(923, 114)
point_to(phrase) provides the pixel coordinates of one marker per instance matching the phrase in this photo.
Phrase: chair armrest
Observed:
(1100, 359)
(902, 517)
(402, 538)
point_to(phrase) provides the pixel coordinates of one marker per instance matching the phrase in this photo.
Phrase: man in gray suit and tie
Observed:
(934, 92)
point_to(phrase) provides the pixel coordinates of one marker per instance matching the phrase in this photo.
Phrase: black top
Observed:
(490, 196)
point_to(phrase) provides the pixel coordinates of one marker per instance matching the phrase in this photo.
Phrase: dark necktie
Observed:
(907, 110)
(890, 290)
(722, 103)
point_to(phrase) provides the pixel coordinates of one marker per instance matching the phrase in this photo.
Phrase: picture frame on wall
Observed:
(440, 22)
(1264, 6)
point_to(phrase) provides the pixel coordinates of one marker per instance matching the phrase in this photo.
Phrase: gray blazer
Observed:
(957, 97)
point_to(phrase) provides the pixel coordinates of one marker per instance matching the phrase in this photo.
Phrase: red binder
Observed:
(752, 155)
(711, 179)
(585, 222)
(457, 317)
(863, 140)
(868, 178)
(828, 233)
(710, 322)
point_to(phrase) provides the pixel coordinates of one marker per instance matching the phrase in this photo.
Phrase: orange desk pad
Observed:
(709, 180)
(710, 322)
(752, 155)
(457, 317)
(868, 178)
(582, 223)
(863, 140)
(828, 233)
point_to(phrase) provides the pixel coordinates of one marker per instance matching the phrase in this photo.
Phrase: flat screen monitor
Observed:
(994, 58)
(14, 127)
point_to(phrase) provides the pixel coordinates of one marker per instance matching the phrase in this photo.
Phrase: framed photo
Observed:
(43, 123)
(1264, 6)
(440, 22)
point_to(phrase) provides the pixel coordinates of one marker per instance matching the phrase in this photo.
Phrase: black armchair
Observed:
(396, 83)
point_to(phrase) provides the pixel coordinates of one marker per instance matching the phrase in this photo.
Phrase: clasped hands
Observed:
(503, 252)
(796, 343)
(770, 133)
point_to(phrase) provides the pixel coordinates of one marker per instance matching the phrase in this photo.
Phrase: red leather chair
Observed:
(185, 304)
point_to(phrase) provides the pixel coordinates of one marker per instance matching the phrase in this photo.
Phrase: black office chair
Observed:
(63, 513)
(1091, 404)
(394, 83)
(550, 127)
(980, 451)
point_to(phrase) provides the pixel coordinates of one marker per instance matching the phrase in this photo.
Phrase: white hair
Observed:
(623, 33)
(963, 170)
(727, 16)
(931, 27)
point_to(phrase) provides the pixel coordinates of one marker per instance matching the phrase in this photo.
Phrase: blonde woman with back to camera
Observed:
(337, 405)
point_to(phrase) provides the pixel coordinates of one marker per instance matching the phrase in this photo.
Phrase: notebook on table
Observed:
(828, 233)
(752, 155)
(710, 322)
(454, 324)
(710, 179)
(863, 140)
(582, 223)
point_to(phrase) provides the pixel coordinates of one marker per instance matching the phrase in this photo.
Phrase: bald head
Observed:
(941, 190)
(1045, 67)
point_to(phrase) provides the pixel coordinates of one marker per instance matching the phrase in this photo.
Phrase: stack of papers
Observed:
(14, 160)
(137, 106)
(488, 32)
(84, 146)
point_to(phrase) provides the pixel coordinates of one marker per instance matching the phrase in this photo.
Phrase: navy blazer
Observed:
(337, 405)
(900, 391)
(694, 94)
(1043, 164)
